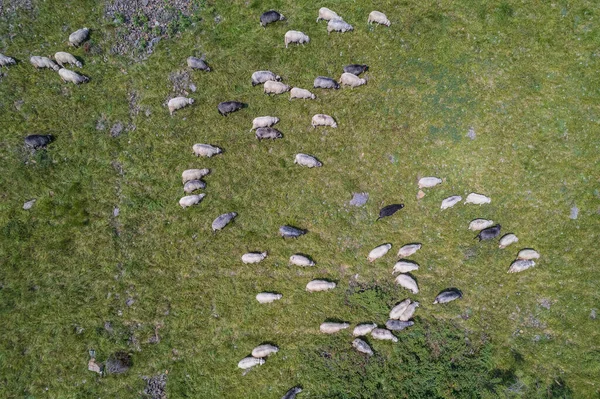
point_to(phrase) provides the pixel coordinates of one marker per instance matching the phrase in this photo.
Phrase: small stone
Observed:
(420, 194)
(116, 211)
(545, 303)
(359, 199)
(93, 366)
(193, 87)
(19, 104)
(129, 302)
(108, 327)
(27, 206)
(574, 213)
(593, 314)
(471, 133)
(116, 129)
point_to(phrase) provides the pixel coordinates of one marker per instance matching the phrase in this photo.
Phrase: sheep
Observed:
(297, 92)
(65, 58)
(272, 87)
(291, 232)
(428, 182)
(249, 362)
(179, 102)
(507, 240)
(477, 199)
(307, 160)
(404, 267)
(397, 325)
(331, 327)
(378, 252)
(397, 310)
(190, 200)
(406, 281)
(223, 220)
(206, 150)
(268, 133)
(480, 224)
(389, 210)
(69, 76)
(521, 264)
(323, 82)
(270, 16)
(260, 77)
(36, 141)
(528, 254)
(264, 121)
(319, 285)
(383, 334)
(6, 60)
(227, 107)
(362, 346)
(326, 14)
(323, 120)
(363, 329)
(408, 250)
(193, 185)
(294, 36)
(301, 260)
(254, 257)
(79, 36)
(349, 79)
(450, 201)
(338, 25)
(43, 62)
(291, 394)
(193, 174)
(489, 234)
(267, 297)
(356, 69)
(409, 312)
(378, 17)
(198, 63)
(448, 295)
(264, 350)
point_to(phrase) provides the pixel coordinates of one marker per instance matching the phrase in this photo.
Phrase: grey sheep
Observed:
(307, 160)
(193, 185)
(270, 16)
(323, 82)
(362, 346)
(356, 69)
(260, 77)
(69, 76)
(268, 133)
(43, 62)
(398, 325)
(291, 232)
(338, 25)
(291, 394)
(198, 63)
(448, 295)
(6, 60)
(79, 36)
(228, 107)
(223, 220)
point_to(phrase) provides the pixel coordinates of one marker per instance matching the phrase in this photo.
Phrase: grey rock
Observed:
(156, 387)
(29, 204)
(574, 213)
(359, 199)
(116, 129)
(593, 314)
(471, 133)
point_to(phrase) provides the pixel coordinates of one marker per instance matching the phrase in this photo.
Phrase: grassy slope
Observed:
(524, 76)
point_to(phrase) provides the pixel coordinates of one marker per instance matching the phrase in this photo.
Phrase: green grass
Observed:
(524, 76)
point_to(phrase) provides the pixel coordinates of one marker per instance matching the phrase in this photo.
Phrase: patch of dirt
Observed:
(8, 8)
(181, 81)
(156, 387)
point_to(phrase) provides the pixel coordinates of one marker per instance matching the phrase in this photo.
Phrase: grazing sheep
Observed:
(179, 102)
(451, 201)
(249, 362)
(398, 325)
(480, 224)
(389, 210)
(428, 182)
(264, 350)
(291, 394)
(36, 141)
(448, 295)
(363, 329)
(69, 76)
(198, 63)
(409, 312)
(356, 69)
(404, 267)
(406, 281)
(301, 260)
(323, 120)
(79, 36)
(383, 334)
(270, 16)
(378, 17)
(307, 160)
(193, 174)
(331, 328)
(228, 107)
(507, 240)
(319, 285)
(489, 234)
(528, 254)
(6, 60)
(264, 121)
(338, 25)
(43, 62)
(260, 77)
(297, 92)
(327, 15)
(206, 150)
(223, 220)
(362, 346)
(268, 297)
(521, 264)
(65, 58)
(323, 82)
(378, 252)
(350, 79)
(253, 257)
(193, 185)
(290, 232)
(294, 36)
(408, 250)
(397, 310)
(477, 199)
(190, 200)
(272, 87)
(268, 133)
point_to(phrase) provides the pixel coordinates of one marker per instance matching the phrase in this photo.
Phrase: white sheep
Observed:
(319, 285)
(428, 182)
(43, 62)
(190, 200)
(327, 15)
(193, 185)
(6, 60)
(378, 252)
(331, 328)
(264, 350)
(406, 281)
(179, 102)
(267, 297)
(294, 36)
(273, 87)
(206, 150)
(249, 362)
(338, 25)
(62, 58)
(397, 310)
(307, 160)
(477, 199)
(350, 79)
(264, 121)
(450, 201)
(297, 92)
(253, 257)
(408, 250)
(323, 120)
(383, 334)
(528, 254)
(79, 36)
(363, 329)
(260, 77)
(378, 17)
(300, 260)
(69, 76)
(404, 267)
(409, 312)
(480, 224)
(507, 240)
(193, 174)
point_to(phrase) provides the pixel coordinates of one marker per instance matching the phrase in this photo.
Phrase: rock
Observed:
(471, 133)
(359, 199)
(93, 366)
(116, 129)
(574, 213)
(27, 205)
(420, 194)
(593, 314)
(156, 387)
(116, 211)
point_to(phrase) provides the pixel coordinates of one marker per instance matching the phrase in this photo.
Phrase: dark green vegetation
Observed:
(524, 76)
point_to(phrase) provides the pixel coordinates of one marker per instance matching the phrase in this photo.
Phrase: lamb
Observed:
(43, 62)
(477, 199)
(327, 15)
(69, 76)
(323, 82)
(268, 297)
(408, 250)
(264, 350)
(179, 102)
(323, 120)
(450, 201)
(270, 17)
(190, 200)
(297, 92)
(378, 17)
(249, 362)
(193, 185)
(356, 69)
(363, 329)
(272, 87)
(405, 267)
(223, 220)
(301, 260)
(65, 58)
(193, 174)
(307, 160)
(206, 150)
(228, 107)
(268, 133)
(331, 328)
(6, 60)
(264, 121)
(378, 252)
(406, 281)
(294, 36)
(254, 257)
(198, 63)
(319, 285)
(428, 182)
(349, 79)
(383, 334)
(260, 77)
(338, 25)
(79, 36)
